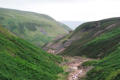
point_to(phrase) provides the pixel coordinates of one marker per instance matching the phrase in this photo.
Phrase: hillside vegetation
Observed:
(95, 39)
(107, 68)
(36, 28)
(99, 39)
(20, 60)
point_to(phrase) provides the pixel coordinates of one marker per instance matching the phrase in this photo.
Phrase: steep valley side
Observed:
(99, 40)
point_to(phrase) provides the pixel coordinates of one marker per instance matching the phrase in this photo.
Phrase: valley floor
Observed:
(74, 67)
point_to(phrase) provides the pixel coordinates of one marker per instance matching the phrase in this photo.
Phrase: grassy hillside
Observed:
(36, 28)
(99, 39)
(107, 68)
(20, 60)
(95, 39)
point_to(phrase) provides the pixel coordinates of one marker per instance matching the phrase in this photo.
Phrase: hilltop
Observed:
(34, 27)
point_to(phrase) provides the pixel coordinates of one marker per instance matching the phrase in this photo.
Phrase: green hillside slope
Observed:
(107, 68)
(95, 39)
(20, 60)
(36, 28)
(99, 39)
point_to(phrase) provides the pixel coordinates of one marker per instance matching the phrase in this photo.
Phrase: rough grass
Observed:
(20, 60)
(107, 68)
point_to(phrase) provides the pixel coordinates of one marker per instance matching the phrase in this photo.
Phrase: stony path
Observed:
(75, 75)
(73, 65)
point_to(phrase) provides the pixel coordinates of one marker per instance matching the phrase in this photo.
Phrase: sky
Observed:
(68, 10)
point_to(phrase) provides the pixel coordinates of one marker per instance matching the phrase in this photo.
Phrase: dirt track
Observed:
(75, 68)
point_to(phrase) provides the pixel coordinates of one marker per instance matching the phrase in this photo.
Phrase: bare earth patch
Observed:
(75, 68)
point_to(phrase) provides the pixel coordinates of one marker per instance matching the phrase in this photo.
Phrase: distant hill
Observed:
(34, 27)
(72, 24)
(20, 60)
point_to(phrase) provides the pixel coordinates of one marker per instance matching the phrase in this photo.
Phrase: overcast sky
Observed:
(72, 10)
